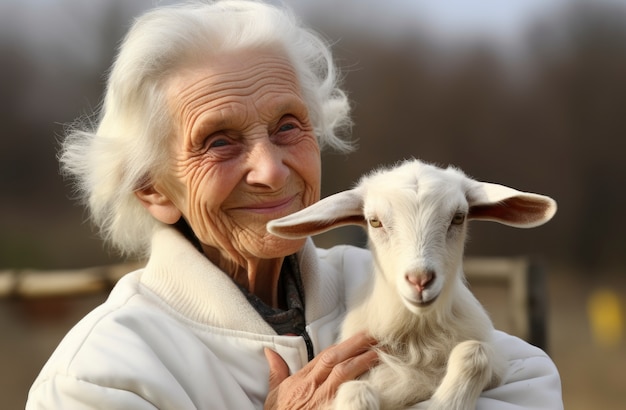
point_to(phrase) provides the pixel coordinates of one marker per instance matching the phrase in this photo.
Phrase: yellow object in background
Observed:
(606, 318)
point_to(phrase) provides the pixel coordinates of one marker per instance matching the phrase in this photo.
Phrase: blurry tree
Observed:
(582, 85)
(548, 121)
(46, 84)
(552, 124)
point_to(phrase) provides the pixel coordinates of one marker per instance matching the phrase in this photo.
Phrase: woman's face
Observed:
(244, 153)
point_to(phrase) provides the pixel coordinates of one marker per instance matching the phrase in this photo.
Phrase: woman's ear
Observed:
(159, 205)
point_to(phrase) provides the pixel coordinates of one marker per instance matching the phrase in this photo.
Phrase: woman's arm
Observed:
(531, 380)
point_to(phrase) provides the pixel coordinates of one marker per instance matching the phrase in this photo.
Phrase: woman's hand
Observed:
(317, 382)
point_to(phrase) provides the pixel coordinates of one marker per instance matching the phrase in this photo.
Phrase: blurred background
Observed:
(528, 93)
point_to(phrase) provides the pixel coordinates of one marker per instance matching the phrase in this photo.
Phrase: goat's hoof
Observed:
(356, 395)
(472, 359)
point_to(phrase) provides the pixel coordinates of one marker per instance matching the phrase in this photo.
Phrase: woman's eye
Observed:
(375, 223)
(458, 218)
(286, 131)
(220, 142)
(286, 127)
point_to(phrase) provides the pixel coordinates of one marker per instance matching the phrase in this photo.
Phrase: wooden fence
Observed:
(522, 282)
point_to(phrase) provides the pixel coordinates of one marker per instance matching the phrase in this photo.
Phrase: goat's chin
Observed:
(420, 306)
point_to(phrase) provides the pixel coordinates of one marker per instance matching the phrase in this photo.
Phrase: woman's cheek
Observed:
(204, 197)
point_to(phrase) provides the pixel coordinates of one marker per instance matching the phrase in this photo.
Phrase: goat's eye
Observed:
(375, 223)
(458, 218)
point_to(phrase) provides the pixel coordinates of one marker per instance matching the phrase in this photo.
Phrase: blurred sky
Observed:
(449, 19)
(57, 30)
(44, 21)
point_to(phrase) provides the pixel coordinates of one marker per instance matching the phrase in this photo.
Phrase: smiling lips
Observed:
(269, 207)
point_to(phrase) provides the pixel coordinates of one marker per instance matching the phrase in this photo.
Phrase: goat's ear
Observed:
(498, 203)
(343, 208)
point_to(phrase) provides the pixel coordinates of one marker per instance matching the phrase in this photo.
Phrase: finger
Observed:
(279, 370)
(348, 348)
(331, 357)
(354, 367)
(347, 370)
(361, 341)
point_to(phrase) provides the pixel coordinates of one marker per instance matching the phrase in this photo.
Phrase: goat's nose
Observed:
(420, 280)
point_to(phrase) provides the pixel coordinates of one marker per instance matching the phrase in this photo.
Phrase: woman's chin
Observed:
(275, 247)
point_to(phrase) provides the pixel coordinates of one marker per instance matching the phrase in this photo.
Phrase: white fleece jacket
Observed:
(179, 334)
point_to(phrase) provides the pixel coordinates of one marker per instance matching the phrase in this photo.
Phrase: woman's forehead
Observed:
(235, 67)
(231, 76)
(232, 91)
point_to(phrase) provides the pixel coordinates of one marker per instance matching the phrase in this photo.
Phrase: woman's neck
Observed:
(259, 276)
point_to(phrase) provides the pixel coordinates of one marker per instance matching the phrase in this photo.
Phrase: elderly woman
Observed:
(212, 125)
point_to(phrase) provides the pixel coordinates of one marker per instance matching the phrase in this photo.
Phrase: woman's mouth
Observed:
(269, 207)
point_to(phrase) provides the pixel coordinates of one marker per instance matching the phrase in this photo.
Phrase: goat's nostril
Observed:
(420, 280)
(427, 279)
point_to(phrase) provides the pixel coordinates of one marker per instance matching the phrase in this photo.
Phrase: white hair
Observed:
(127, 146)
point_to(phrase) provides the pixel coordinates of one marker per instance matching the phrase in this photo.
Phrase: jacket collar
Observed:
(196, 288)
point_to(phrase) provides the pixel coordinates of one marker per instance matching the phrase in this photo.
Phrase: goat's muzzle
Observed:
(419, 288)
(420, 280)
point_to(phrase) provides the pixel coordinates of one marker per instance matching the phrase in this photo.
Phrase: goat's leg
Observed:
(469, 372)
(356, 395)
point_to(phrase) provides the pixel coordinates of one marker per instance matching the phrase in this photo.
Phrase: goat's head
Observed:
(416, 217)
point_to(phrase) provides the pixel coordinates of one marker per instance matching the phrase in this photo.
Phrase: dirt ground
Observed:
(593, 376)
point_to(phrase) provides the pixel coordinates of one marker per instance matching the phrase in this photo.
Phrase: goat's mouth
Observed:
(420, 303)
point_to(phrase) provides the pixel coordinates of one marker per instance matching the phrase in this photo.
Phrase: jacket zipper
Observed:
(309, 345)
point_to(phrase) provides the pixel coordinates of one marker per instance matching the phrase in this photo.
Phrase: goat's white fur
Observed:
(434, 336)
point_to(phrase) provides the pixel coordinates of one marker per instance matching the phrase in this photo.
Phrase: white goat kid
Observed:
(434, 336)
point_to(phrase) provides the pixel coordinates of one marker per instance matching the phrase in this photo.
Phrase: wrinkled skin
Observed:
(244, 152)
(315, 385)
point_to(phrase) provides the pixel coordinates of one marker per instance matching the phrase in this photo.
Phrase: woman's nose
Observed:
(267, 165)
